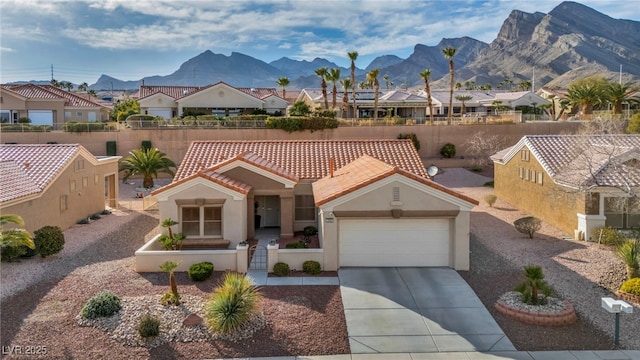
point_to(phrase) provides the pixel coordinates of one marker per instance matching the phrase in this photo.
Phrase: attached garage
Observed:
(41, 117)
(394, 242)
(164, 113)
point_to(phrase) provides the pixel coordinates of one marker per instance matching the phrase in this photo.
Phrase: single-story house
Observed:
(48, 105)
(574, 182)
(55, 184)
(217, 99)
(371, 200)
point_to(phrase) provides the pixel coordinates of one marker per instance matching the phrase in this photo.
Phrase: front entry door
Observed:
(269, 210)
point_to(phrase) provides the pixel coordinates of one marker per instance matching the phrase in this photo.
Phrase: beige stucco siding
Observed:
(219, 97)
(554, 204)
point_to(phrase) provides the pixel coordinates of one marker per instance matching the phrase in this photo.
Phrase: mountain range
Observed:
(570, 42)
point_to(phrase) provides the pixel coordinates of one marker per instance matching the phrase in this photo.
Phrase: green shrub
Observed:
(232, 304)
(490, 199)
(149, 326)
(528, 225)
(145, 145)
(311, 267)
(534, 289)
(24, 120)
(200, 271)
(170, 298)
(12, 253)
(95, 216)
(413, 137)
(281, 269)
(87, 126)
(607, 235)
(296, 245)
(49, 240)
(488, 184)
(634, 124)
(102, 304)
(172, 242)
(291, 124)
(448, 150)
(631, 286)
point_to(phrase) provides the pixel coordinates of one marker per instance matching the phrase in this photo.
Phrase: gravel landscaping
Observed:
(41, 298)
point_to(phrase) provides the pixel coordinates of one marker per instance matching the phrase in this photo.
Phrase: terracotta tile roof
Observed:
(261, 93)
(303, 159)
(213, 176)
(258, 161)
(178, 92)
(36, 165)
(584, 160)
(364, 171)
(33, 91)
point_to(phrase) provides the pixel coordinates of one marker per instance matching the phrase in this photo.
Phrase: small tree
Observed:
(172, 297)
(528, 225)
(299, 108)
(490, 199)
(533, 285)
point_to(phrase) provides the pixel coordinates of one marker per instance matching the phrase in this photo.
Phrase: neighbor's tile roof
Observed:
(303, 159)
(33, 91)
(178, 92)
(584, 160)
(33, 166)
(364, 171)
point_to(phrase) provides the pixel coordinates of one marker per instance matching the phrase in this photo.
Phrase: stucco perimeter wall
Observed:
(174, 142)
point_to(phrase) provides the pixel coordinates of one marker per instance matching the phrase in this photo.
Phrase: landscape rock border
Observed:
(557, 313)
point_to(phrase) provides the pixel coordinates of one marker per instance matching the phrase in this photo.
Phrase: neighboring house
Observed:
(371, 200)
(483, 101)
(55, 184)
(216, 99)
(47, 105)
(574, 182)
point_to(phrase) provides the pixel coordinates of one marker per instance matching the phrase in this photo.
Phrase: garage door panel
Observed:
(397, 242)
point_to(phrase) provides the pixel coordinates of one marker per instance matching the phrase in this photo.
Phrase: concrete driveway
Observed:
(400, 310)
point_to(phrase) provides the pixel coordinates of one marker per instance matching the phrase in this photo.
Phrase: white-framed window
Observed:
(91, 116)
(521, 173)
(540, 178)
(305, 208)
(201, 221)
(524, 155)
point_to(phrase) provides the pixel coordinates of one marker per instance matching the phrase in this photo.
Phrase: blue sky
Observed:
(131, 39)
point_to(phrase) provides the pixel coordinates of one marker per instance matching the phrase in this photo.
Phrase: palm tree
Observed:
(372, 77)
(425, 74)
(83, 86)
(92, 92)
(532, 285)
(322, 74)
(283, 82)
(525, 85)
(14, 237)
(146, 162)
(463, 99)
(346, 85)
(169, 267)
(54, 83)
(167, 224)
(617, 93)
(353, 56)
(334, 78)
(449, 52)
(586, 95)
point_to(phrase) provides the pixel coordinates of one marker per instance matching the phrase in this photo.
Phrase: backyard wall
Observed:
(174, 142)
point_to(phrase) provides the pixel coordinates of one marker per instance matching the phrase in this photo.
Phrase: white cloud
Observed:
(6, 49)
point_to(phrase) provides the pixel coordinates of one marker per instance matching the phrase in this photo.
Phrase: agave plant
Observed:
(629, 252)
(232, 304)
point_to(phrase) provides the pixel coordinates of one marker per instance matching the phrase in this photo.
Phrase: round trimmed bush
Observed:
(296, 245)
(281, 269)
(149, 326)
(631, 286)
(200, 271)
(102, 304)
(12, 253)
(49, 240)
(311, 267)
(448, 150)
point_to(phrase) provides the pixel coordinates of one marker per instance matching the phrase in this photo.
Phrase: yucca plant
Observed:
(533, 285)
(629, 252)
(232, 304)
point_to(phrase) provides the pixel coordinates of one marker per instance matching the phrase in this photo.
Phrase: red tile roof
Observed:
(33, 91)
(213, 176)
(178, 92)
(258, 161)
(304, 159)
(364, 171)
(36, 166)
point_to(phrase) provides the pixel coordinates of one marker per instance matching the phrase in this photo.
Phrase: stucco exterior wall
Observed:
(174, 142)
(548, 201)
(83, 191)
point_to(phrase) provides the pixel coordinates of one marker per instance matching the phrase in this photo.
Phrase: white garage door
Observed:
(160, 112)
(397, 242)
(41, 117)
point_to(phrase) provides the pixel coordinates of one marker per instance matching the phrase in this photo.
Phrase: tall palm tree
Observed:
(586, 95)
(617, 93)
(334, 78)
(449, 52)
(353, 56)
(283, 82)
(425, 75)
(372, 77)
(463, 99)
(346, 85)
(146, 162)
(322, 74)
(83, 86)
(14, 237)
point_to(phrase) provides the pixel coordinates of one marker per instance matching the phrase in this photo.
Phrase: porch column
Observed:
(286, 216)
(251, 220)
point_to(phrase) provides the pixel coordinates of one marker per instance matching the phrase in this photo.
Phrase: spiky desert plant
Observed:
(172, 297)
(629, 252)
(533, 286)
(232, 304)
